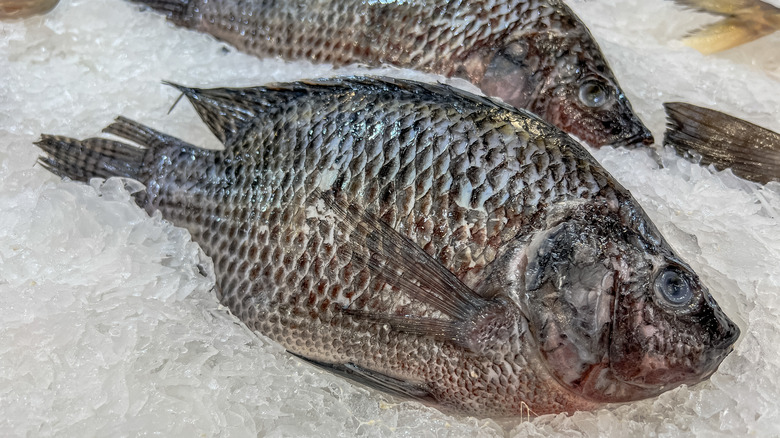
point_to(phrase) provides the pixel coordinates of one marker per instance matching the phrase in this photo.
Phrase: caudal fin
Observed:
(745, 21)
(752, 152)
(82, 160)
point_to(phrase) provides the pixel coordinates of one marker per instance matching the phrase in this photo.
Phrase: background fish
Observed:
(745, 21)
(424, 241)
(535, 55)
(17, 9)
(750, 151)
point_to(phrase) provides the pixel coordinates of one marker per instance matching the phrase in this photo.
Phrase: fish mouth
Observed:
(643, 138)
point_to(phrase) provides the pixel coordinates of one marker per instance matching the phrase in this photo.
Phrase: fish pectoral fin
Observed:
(402, 264)
(752, 152)
(375, 379)
(444, 330)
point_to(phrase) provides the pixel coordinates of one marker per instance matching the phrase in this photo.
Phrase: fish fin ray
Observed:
(745, 21)
(226, 111)
(374, 379)
(143, 135)
(752, 152)
(725, 34)
(444, 330)
(401, 263)
(81, 160)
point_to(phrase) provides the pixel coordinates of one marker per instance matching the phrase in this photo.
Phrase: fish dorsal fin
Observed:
(226, 111)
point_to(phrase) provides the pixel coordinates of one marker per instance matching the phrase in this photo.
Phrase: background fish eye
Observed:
(593, 94)
(674, 287)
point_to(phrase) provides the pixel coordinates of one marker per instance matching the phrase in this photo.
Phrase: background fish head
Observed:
(616, 315)
(566, 81)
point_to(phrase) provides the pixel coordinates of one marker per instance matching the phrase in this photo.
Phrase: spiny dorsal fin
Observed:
(752, 152)
(226, 111)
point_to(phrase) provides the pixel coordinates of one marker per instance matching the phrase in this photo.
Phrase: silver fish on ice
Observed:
(533, 54)
(426, 242)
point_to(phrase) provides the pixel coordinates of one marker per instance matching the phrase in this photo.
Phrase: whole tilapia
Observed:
(533, 54)
(424, 241)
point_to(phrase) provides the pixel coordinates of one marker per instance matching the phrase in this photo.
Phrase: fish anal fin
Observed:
(375, 379)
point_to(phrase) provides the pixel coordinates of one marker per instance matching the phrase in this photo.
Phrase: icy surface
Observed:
(108, 321)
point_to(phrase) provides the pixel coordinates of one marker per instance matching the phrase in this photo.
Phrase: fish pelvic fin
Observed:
(752, 152)
(746, 20)
(374, 379)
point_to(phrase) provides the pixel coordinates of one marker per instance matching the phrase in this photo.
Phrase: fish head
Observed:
(667, 330)
(566, 82)
(616, 315)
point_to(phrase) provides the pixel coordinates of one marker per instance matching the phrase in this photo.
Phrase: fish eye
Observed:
(593, 94)
(674, 287)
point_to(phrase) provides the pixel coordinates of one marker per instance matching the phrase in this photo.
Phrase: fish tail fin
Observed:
(752, 152)
(82, 160)
(177, 11)
(746, 20)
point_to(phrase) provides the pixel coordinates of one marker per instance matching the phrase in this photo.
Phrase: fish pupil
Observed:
(593, 94)
(674, 287)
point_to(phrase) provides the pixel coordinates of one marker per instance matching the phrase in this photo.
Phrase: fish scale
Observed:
(422, 240)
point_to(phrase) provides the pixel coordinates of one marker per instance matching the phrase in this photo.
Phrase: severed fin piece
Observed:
(376, 380)
(752, 152)
(746, 20)
(403, 264)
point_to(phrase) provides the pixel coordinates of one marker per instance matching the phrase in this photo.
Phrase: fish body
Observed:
(725, 141)
(533, 54)
(743, 21)
(426, 242)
